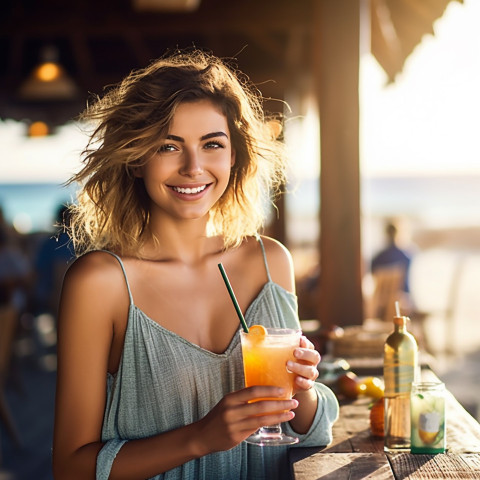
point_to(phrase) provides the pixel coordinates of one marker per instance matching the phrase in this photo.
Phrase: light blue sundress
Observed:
(165, 382)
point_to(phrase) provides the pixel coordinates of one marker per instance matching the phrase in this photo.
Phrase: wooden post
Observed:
(336, 77)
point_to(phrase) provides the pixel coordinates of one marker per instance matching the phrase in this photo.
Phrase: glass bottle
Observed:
(399, 367)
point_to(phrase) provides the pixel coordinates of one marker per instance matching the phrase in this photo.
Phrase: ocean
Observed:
(436, 200)
(441, 202)
(427, 202)
(32, 207)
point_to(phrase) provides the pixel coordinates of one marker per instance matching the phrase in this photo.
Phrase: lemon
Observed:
(371, 387)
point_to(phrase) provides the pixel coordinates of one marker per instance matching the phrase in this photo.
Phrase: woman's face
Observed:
(191, 168)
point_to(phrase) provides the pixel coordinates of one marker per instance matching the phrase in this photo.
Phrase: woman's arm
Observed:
(94, 302)
(85, 334)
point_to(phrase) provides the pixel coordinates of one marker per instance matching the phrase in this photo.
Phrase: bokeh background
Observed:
(418, 152)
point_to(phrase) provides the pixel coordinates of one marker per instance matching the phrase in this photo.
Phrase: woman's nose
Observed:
(192, 164)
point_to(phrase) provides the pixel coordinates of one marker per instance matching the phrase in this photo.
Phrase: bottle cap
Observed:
(400, 320)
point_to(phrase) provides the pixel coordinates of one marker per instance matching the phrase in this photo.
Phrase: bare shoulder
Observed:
(93, 269)
(280, 263)
(277, 249)
(95, 279)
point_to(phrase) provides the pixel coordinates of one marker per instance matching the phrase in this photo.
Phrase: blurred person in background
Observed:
(15, 269)
(51, 261)
(393, 255)
(390, 269)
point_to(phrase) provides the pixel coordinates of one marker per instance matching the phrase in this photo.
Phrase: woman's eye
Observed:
(214, 145)
(167, 148)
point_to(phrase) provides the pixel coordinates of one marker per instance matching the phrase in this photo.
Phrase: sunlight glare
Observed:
(427, 121)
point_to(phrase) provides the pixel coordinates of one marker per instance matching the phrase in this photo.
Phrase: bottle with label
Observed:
(399, 368)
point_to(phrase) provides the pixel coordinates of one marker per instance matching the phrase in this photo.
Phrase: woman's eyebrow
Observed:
(176, 138)
(214, 134)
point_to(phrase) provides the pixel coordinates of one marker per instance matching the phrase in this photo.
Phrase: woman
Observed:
(150, 381)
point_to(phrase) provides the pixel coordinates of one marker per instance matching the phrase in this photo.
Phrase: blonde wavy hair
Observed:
(112, 211)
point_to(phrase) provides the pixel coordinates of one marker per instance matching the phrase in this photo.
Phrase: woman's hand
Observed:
(233, 419)
(305, 367)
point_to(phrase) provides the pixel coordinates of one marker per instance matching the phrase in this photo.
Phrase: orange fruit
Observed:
(259, 330)
(347, 385)
(377, 418)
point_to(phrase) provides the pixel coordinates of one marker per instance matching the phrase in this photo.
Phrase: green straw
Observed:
(232, 296)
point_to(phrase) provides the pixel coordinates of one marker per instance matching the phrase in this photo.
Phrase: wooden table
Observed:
(355, 454)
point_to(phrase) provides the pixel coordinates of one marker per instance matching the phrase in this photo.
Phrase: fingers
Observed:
(258, 421)
(307, 356)
(262, 402)
(260, 391)
(241, 413)
(304, 383)
(306, 343)
(306, 365)
(269, 412)
(255, 407)
(264, 409)
(259, 401)
(306, 375)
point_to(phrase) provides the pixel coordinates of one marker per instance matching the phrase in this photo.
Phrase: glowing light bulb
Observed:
(38, 129)
(48, 72)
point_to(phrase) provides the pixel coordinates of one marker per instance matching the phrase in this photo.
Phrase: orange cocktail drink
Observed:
(266, 352)
(265, 357)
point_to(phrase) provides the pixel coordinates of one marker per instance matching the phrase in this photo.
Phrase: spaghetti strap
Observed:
(124, 274)
(264, 257)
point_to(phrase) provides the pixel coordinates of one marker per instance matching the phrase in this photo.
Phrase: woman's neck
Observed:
(185, 242)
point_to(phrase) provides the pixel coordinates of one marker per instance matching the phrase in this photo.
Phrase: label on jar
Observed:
(428, 426)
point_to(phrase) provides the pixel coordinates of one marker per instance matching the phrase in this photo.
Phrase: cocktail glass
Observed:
(265, 360)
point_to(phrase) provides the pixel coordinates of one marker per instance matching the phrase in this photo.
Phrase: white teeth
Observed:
(190, 190)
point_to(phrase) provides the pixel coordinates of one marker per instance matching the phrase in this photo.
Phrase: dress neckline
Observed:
(235, 338)
(249, 313)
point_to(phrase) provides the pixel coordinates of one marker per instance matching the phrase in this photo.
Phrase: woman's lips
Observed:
(190, 191)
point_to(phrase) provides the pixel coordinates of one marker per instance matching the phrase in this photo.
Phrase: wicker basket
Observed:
(357, 341)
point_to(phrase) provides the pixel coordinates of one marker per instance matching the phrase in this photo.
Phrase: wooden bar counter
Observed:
(356, 454)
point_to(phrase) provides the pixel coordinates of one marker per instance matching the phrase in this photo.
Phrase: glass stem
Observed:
(271, 431)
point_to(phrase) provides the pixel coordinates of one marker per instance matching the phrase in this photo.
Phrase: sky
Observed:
(426, 123)
(39, 159)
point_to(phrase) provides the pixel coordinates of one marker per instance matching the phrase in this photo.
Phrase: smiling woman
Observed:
(133, 138)
(176, 177)
(193, 164)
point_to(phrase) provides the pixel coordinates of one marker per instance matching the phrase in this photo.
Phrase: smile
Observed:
(190, 191)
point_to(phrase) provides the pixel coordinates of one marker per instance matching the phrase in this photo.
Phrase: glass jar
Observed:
(427, 414)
